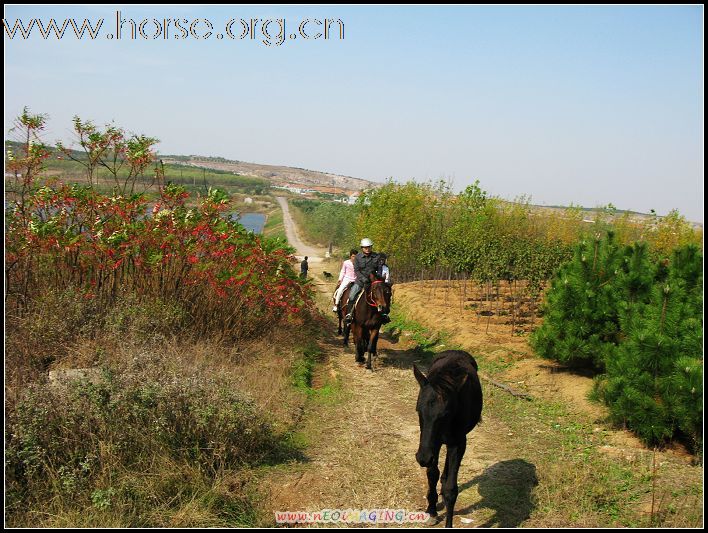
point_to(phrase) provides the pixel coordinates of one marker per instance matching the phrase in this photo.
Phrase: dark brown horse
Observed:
(449, 406)
(367, 319)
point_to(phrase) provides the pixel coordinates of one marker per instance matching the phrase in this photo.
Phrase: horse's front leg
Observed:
(373, 338)
(433, 473)
(449, 486)
(359, 342)
(375, 342)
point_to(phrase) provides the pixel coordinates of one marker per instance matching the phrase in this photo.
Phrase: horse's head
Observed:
(380, 294)
(436, 403)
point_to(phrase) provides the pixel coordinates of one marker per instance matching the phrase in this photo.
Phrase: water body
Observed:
(254, 222)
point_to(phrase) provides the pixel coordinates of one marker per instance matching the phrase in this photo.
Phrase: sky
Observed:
(564, 104)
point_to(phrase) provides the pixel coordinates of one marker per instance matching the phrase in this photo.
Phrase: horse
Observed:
(367, 319)
(449, 406)
(342, 310)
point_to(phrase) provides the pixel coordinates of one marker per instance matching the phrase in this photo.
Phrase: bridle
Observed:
(370, 293)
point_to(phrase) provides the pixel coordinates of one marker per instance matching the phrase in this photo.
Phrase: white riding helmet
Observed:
(366, 242)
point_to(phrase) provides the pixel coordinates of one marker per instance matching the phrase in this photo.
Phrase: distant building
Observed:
(354, 197)
(290, 187)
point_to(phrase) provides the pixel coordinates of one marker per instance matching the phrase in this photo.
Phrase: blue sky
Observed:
(584, 105)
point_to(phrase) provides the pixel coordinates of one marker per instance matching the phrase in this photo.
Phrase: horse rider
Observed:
(383, 271)
(346, 277)
(366, 262)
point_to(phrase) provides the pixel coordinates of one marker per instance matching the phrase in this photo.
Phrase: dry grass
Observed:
(102, 466)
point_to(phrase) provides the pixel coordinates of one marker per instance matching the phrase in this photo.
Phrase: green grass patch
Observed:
(274, 226)
(303, 369)
(306, 374)
(427, 342)
(576, 482)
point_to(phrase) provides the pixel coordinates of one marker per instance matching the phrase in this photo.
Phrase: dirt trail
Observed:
(362, 444)
(314, 255)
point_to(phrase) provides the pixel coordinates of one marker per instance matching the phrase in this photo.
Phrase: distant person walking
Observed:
(303, 268)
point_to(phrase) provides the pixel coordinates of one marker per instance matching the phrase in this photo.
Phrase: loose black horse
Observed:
(449, 406)
(367, 318)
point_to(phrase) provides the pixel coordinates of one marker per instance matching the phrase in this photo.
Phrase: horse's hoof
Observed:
(433, 520)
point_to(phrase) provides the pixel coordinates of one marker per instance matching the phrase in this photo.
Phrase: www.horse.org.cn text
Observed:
(269, 31)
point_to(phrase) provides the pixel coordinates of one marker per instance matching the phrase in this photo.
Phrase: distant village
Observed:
(336, 194)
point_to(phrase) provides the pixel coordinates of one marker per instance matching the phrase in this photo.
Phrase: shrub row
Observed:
(639, 323)
(228, 281)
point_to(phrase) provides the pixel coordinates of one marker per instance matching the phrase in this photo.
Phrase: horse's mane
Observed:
(448, 382)
(446, 377)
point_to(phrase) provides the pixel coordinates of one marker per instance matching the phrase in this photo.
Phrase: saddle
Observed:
(358, 297)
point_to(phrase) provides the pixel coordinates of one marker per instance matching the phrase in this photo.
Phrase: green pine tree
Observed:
(583, 306)
(654, 384)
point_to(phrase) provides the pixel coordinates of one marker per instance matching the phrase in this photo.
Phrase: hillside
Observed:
(302, 178)
(277, 175)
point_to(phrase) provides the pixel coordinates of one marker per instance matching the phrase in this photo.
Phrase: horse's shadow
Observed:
(392, 335)
(506, 487)
(402, 359)
(388, 357)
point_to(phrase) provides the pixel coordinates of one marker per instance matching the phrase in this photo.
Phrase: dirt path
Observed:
(315, 255)
(362, 440)
(362, 444)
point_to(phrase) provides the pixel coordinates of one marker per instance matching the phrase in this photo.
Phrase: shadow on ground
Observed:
(506, 488)
(404, 359)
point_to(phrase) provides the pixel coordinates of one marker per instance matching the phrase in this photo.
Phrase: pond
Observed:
(252, 221)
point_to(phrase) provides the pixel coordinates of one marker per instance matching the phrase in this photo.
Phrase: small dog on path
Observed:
(327, 275)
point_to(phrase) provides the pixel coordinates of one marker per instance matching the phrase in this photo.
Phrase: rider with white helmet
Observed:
(366, 262)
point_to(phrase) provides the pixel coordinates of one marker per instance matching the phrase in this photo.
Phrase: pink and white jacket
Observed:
(347, 273)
